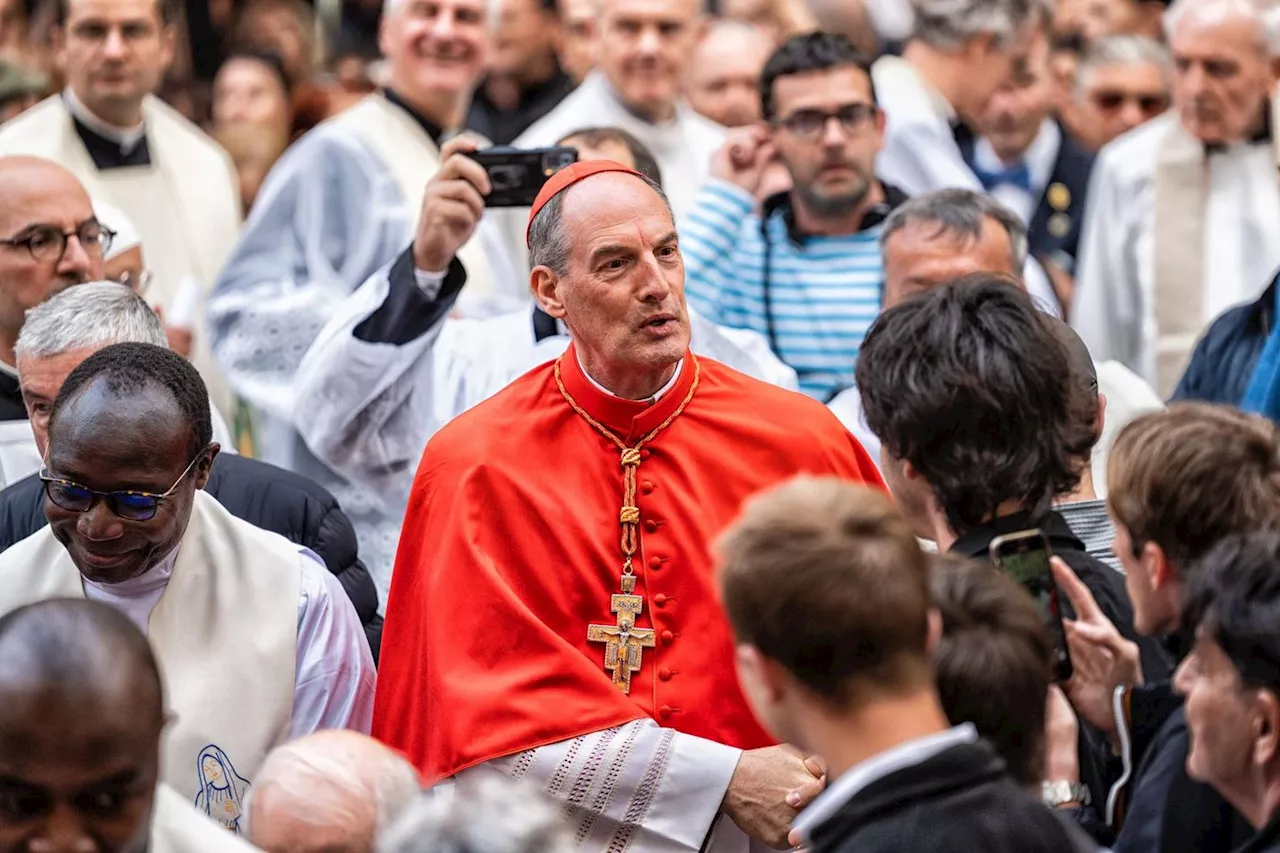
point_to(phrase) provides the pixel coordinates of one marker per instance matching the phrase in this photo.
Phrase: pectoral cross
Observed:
(624, 642)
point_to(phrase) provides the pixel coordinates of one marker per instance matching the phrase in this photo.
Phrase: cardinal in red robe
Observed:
(553, 593)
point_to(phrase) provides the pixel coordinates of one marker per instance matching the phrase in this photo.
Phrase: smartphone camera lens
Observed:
(505, 177)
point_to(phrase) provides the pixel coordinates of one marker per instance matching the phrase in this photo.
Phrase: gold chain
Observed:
(629, 517)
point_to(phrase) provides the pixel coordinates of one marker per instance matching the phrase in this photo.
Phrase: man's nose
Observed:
(1131, 113)
(63, 833)
(650, 40)
(655, 285)
(76, 260)
(115, 45)
(98, 522)
(834, 133)
(444, 25)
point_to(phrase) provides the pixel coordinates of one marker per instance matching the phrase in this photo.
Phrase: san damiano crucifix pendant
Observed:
(624, 642)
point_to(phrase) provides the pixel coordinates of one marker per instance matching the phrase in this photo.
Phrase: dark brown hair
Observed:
(825, 577)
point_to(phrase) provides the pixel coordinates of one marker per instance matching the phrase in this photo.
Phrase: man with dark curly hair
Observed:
(969, 391)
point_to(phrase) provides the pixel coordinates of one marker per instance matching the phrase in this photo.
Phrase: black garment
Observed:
(1054, 231)
(501, 126)
(1165, 811)
(265, 496)
(1225, 357)
(433, 130)
(11, 408)
(1107, 587)
(1266, 841)
(960, 800)
(107, 153)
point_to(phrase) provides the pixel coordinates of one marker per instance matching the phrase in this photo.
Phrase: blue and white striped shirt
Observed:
(824, 293)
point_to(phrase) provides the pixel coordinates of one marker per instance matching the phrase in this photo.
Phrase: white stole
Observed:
(225, 635)
(411, 159)
(1184, 262)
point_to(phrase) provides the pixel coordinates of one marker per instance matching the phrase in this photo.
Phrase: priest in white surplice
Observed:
(392, 367)
(959, 54)
(1184, 211)
(131, 150)
(644, 46)
(256, 640)
(82, 709)
(340, 204)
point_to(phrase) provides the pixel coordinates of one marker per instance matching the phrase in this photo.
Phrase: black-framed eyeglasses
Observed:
(129, 504)
(809, 124)
(48, 244)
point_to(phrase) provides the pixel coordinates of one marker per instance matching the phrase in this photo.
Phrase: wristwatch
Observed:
(1055, 794)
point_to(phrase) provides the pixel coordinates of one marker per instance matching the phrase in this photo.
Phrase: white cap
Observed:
(112, 217)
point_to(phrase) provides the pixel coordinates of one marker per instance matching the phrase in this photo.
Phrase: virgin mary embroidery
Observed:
(222, 790)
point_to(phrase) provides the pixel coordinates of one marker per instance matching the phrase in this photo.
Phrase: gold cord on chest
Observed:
(623, 641)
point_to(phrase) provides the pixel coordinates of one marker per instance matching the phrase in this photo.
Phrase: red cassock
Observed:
(511, 547)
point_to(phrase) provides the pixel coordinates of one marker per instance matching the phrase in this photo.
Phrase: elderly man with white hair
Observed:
(1184, 211)
(332, 790)
(1122, 82)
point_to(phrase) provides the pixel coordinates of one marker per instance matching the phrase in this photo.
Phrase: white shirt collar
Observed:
(657, 394)
(126, 138)
(1040, 156)
(858, 777)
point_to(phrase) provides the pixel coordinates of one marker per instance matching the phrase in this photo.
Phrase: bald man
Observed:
(723, 81)
(81, 712)
(49, 239)
(333, 790)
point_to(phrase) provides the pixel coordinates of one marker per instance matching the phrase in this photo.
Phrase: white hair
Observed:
(492, 9)
(1265, 13)
(1123, 50)
(492, 814)
(949, 24)
(88, 316)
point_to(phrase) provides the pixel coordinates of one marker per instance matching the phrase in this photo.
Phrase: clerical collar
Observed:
(432, 129)
(657, 395)
(109, 146)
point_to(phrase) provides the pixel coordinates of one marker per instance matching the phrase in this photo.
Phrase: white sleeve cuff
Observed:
(429, 282)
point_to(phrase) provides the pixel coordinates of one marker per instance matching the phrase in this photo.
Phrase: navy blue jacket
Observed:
(1225, 357)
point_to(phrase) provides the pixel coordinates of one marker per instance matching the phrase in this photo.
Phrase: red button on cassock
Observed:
(659, 600)
(668, 638)
(655, 563)
(650, 526)
(646, 487)
(664, 673)
(644, 454)
(665, 712)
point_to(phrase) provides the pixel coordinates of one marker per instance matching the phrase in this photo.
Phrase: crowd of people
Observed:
(343, 508)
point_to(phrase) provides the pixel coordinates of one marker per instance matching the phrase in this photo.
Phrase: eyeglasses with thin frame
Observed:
(810, 123)
(129, 504)
(49, 245)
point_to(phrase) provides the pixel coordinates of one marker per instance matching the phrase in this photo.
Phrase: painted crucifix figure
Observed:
(624, 642)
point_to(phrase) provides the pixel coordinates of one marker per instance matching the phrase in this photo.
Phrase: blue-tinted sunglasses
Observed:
(128, 504)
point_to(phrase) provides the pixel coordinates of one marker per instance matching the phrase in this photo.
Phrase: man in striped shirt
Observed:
(805, 270)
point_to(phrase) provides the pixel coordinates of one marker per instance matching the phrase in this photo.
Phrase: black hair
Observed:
(645, 163)
(168, 10)
(128, 368)
(968, 384)
(265, 57)
(1233, 595)
(816, 51)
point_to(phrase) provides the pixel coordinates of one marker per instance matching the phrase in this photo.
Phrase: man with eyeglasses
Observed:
(1122, 81)
(256, 639)
(129, 149)
(49, 239)
(1184, 211)
(805, 271)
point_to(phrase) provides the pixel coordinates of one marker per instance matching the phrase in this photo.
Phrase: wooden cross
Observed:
(624, 642)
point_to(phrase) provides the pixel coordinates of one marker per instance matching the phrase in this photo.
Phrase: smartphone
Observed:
(517, 174)
(1024, 556)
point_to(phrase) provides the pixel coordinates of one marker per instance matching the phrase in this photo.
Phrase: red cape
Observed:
(511, 548)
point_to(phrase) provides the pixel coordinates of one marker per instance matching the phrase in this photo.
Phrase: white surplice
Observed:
(920, 153)
(638, 788)
(1114, 307)
(185, 203)
(682, 147)
(368, 408)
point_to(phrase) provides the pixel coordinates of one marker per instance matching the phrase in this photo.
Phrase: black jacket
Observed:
(11, 408)
(960, 800)
(1267, 840)
(1165, 811)
(265, 496)
(1225, 357)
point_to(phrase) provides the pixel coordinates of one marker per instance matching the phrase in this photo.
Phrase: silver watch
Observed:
(1060, 793)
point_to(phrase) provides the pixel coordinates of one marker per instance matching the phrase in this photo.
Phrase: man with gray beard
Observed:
(805, 270)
